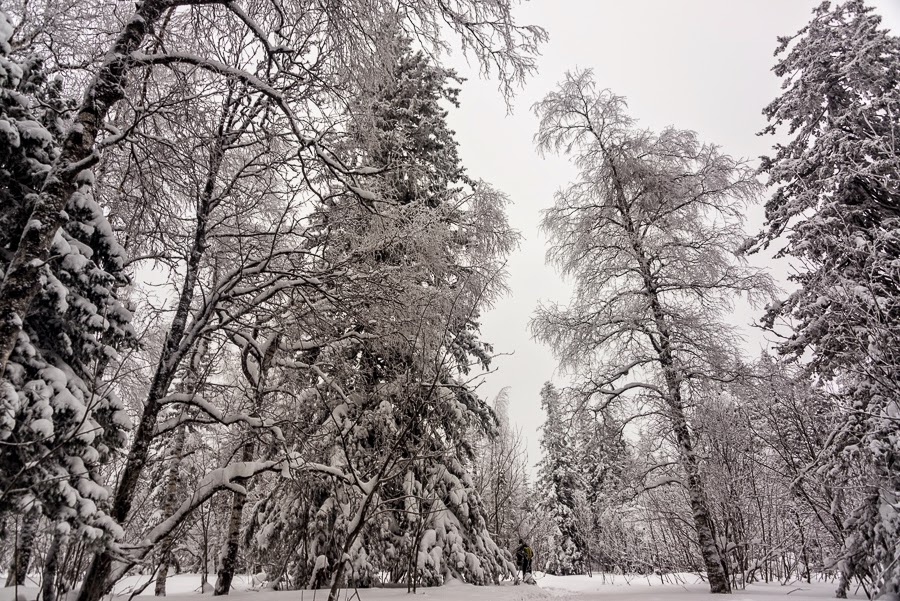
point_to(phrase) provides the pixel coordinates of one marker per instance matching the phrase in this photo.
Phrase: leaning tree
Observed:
(647, 234)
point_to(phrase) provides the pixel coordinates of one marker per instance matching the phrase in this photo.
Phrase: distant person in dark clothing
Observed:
(524, 555)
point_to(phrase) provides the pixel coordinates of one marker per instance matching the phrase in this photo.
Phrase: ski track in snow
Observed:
(185, 587)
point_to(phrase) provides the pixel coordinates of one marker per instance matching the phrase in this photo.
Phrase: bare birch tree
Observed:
(647, 233)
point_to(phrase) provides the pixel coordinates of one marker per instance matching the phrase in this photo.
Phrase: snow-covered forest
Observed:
(244, 270)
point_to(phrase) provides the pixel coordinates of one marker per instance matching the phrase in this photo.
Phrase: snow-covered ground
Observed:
(684, 587)
(185, 587)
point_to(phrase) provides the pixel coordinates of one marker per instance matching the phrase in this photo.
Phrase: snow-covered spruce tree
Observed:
(388, 453)
(58, 420)
(836, 207)
(562, 489)
(501, 477)
(602, 458)
(423, 260)
(459, 240)
(647, 233)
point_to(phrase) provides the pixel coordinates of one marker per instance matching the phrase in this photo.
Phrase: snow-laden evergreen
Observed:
(836, 208)
(401, 418)
(561, 489)
(59, 421)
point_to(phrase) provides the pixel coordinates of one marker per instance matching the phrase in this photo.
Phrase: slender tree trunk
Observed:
(18, 568)
(176, 452)
(204, 569)
(51, 567)
(232, 541)
(358, 523)
(412, 567)
(703, 523)
(228, 565)
(173, 473)
(497, 475)
(95, 582)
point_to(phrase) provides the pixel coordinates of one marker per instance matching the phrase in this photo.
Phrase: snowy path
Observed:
(184, 587)
(580, 588)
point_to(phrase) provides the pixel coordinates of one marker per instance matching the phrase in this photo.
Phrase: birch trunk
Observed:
(96, 580)
(18, 568)
(703, 524)
(172, 474)
(51, 567)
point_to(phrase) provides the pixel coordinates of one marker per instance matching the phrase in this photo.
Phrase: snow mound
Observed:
(26, 593)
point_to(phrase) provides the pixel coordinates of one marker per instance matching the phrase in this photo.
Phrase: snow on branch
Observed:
(666, 481)
(223, 478)
(214, 412)
(258, 31)
(616, 392)
(328, 470)
(337, 168)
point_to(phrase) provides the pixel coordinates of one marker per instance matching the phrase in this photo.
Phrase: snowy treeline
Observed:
(673, 449)
(243, 269)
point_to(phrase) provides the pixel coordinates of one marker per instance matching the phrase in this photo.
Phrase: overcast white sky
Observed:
(696, 64)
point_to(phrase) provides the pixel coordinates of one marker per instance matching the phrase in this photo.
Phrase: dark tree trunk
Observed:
(95, 582)
(232, 542)
(51, 567)
(18, 568)
(225, 574)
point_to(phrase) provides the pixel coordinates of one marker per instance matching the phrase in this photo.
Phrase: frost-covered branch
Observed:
(213, 412)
